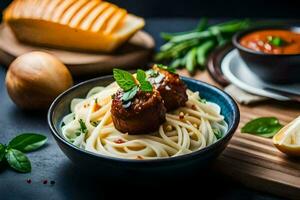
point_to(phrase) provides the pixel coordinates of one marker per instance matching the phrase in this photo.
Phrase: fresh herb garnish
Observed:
(124, 79)
(152, 73)
(263, 126)
(145, 85)
(77, 133)
(130, 87)
(83, 129)
(218, 133)
(18, 160)
(27, 142)
(202, 100)
(276, 41)
(13, 153)
(95, 123)
(169, 69)
(130, 94)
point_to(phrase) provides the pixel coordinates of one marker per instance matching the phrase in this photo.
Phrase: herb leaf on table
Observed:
(2, 151)
(13, 153)
(27, 142)
(18, 160)
(263, 126)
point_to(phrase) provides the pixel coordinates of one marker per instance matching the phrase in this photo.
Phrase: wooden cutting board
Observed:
(253, 160)
(135, 53)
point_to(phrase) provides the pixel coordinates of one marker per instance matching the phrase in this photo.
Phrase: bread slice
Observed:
(88, 25)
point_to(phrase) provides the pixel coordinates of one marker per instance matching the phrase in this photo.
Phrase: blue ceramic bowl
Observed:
(110, 166)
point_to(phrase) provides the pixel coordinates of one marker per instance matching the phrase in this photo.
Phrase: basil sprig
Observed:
(13, 153)
(169, 69)
(276, 41)
(128, 84)
(83, 129)
(263, 126)
(145, 85)
(130, 94)
(124, 79)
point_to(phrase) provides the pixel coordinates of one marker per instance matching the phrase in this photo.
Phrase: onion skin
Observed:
(34, 79)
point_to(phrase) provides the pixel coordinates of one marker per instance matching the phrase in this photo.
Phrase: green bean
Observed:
(202, 52)
(176, 50)
(184, 45)
(216, 31)
(232, 27)
(191, 60)
(193, 35)
(167, 46)
(166, 36)
(183, 61)
(176, 63)
(169, 36)
(202, 25)
(190, 48)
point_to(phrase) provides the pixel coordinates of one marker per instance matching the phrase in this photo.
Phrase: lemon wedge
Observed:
(287, 139)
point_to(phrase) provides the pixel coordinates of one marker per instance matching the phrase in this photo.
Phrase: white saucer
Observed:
(237, 72)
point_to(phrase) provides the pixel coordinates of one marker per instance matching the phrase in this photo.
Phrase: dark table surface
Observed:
(50, 163)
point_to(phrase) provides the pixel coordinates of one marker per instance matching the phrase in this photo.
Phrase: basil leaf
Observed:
(124, 79)
(276, 41)
(169, 69)
(83, 129)
(2, 151)
(130, 94)
(141, 75)
(18, 160)
(145, 85)
(152, 73)
(263, 126)
(27, 142)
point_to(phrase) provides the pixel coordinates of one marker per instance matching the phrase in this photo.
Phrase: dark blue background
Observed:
(209, 8)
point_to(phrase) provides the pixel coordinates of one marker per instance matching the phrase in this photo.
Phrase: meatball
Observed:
(171, 88)
(143, 114)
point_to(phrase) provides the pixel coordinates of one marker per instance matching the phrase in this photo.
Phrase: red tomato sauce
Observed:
(261, 41)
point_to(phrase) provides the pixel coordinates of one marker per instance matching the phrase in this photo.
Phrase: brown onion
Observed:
(34, 79)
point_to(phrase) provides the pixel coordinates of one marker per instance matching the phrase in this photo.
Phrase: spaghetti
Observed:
(187, 129)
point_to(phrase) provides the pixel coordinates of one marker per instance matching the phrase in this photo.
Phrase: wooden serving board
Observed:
(136, 52)
(253, 160)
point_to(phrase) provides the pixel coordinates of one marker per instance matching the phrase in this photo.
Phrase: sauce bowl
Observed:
(273, 68)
